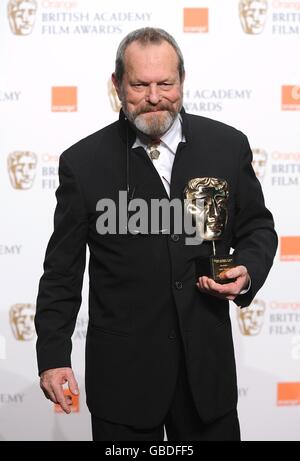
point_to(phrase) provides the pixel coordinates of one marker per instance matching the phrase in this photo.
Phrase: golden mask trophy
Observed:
(206, 200)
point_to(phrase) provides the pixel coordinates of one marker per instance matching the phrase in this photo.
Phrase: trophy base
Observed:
(214, 266)
(220, 264)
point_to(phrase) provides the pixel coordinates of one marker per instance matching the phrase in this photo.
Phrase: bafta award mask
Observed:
(206, 200)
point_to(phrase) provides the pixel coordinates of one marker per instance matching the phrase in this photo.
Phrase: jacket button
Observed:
(172, 335)
(178, 285)
(175, 237)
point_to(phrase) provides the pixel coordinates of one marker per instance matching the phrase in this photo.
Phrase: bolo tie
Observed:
(154, 153)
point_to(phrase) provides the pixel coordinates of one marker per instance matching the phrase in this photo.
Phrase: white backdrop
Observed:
(54, 91)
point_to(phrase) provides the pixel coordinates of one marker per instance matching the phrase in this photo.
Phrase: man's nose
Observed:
(153, 95)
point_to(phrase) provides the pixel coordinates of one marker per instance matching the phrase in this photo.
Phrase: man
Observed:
(21, 16)
(253, 14)
(159, 347)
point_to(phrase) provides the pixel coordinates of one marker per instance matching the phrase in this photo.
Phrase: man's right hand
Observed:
(52, 382)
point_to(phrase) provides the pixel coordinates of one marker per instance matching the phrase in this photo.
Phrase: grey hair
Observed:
(145, 36)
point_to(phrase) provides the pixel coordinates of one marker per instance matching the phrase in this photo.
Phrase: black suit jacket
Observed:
(142, 295)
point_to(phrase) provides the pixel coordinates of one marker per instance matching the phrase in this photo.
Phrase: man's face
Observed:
(151, 91)
(251, 319)
(208, 201)
(24, 323)
(254, 15)
(22, 171)
(23, 17)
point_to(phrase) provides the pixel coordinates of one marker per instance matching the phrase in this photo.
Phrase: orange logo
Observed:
(195, 20)
(290, 97)
(75, 403)
(290, 248)
(64, 99)
(288, 394)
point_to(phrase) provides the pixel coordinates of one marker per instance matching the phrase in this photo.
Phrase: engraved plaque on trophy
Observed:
(206, 200)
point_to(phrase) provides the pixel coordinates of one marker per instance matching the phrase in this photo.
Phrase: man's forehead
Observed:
(137, 45)
(143, 51)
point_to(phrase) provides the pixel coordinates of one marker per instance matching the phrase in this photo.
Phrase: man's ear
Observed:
(116, 85)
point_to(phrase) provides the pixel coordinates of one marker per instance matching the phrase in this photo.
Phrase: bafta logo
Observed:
(259, 163)
(22, 168)
(21, 16)
(251, 318)
(253, 15)
(113, 97)
(21, 317)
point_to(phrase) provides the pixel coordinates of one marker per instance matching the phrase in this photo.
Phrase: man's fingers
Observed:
(204, 283)
(69, 399)
(49, 395)
(235, 272)
(62, 399)
(52, 382)
(73, 386)
(48, 392)
(57, 396)
(227, 291)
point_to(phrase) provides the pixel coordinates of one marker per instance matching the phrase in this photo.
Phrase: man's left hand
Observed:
(229, 290)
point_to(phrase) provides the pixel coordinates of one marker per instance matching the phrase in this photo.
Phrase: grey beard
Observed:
(154, 128)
